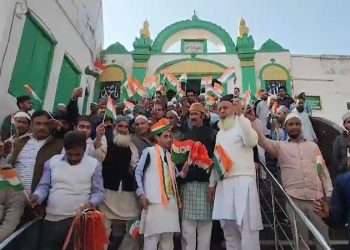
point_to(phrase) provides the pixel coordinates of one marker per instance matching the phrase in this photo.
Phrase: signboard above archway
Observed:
(193, 29)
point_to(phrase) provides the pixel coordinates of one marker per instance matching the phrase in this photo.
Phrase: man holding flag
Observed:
(157, 191)
(120, 204)
(197, 210)
(11, 198)
(232, 182)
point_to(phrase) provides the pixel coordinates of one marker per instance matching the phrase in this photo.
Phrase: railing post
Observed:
(274, 215)
(295, 231)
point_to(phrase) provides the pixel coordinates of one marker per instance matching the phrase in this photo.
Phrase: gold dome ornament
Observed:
(243, 29)
(145, 30)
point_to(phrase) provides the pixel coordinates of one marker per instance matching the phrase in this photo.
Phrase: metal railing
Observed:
(6, 244)
(280, 220)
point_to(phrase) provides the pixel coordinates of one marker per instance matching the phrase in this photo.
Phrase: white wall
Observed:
(125, 61)
(77, 27)
(327, 77)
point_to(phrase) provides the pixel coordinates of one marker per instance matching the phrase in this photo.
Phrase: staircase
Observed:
(277, 233)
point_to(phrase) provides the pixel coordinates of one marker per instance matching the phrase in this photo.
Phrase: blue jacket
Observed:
(340, 204)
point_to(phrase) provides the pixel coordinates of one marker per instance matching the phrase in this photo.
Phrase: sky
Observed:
(303, 26)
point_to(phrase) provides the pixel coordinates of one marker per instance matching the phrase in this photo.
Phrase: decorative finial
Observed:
(243, 29)
(145, 31)
(194, 17)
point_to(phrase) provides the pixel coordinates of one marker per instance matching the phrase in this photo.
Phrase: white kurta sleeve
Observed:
(249, 135)
(99, 153)
(213, 179)
(134, 155)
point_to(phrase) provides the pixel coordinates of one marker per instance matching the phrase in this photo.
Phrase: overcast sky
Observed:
(302, 26)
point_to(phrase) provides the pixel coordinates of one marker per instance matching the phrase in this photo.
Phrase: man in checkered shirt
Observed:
(196, 215)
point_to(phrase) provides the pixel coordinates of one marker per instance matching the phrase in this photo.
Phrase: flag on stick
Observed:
(205, 81)
(9, 179)
(34, 95)
(183, 78)
(110, 109)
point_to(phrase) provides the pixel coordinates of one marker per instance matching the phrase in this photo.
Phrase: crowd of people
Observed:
(123, 166)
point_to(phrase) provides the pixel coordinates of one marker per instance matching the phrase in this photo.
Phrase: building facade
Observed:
(47, 44)
(201, 48)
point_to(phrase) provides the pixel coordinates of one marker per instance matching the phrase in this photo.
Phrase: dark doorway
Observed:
(192, 85)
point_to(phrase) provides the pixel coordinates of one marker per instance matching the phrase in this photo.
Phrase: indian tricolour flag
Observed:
(180, 93)
(205, 81)
(219, 88)
(129, 106)
(129, 87)
(222, 162)
(319, 161)
(183, 78)
(172, 82)
(209, 100)
(247, 98)
(150, 83)
(180, 151)
(227, 74)
(209, 90)
(133, 227)
(110, 109)
(140, 89)
(33, 94)
(9, 179)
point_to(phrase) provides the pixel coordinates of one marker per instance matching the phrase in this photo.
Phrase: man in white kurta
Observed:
(232, 183)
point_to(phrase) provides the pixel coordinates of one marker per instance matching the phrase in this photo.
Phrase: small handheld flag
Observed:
(9, 179)
(33, 94)
(110, 109)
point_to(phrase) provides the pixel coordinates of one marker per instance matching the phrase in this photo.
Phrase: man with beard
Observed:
(141, 139)
(197, 210)
(305, 178)
(157, 191)
(232, 182)
(306, 126)
(120, 204)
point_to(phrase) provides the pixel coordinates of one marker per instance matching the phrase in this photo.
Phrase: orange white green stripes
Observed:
(247, 98)
(205, 81)
(183, 77)
(209, 90)
(129, 106)
(222, 162)
(110, 109)
(32, 93)
(173, 83)
(150, 83)
(9, 179)
(140, 89)
(227, 74)
(219, 88)
(161, 126)
(133, 227)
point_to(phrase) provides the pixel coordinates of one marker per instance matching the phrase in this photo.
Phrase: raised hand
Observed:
(77, 92)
